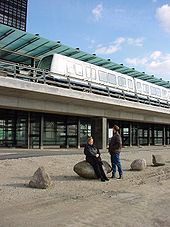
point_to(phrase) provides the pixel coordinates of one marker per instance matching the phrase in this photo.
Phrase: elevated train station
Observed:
(39, 112)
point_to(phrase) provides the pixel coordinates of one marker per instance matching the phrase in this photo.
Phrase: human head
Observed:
(115, 129)
(90, 140)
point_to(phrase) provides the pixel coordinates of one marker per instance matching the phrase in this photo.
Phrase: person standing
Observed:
(115, 146)
(93, 157)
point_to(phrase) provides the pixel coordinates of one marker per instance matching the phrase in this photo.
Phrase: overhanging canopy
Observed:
(22, 47)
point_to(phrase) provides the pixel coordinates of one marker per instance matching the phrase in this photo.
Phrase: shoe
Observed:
(120, 177)
(113, 176)
(107, 179)
(102, 179)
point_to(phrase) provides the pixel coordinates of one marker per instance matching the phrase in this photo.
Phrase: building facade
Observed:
(14, 13)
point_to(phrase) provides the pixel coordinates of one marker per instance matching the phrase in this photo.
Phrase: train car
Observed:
(81, 73)
(78, 71)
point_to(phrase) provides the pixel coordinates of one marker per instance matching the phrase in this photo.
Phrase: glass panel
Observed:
(93, 71)
(45, 63)
(130, 84)
(139, 86)
(85, 131)
(112, 78)
(121, 81)
(70, 68)
(146, 88)
(103, 76)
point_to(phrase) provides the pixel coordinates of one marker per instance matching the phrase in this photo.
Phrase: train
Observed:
(83, 72)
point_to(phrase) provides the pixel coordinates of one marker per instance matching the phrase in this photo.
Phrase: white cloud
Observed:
(136, 61)
(163, 15)
(156, 63)
(135, 42)
(97, 12)
(155, 55)
(112, 48)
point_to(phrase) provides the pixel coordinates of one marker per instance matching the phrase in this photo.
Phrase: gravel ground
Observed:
(142, 198)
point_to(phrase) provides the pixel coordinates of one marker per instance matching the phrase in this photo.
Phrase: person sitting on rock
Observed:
(93, 157)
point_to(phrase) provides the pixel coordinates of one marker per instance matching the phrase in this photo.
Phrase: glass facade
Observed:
(13, 129)
(136, 134)
(14, 13)
(23, 129)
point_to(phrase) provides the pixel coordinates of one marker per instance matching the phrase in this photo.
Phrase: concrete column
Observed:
(130, 134)
(41, 132)
(99, 132)
(29, 125)
(164, 136)
(149, 136)
(137, 135)
(78, 133)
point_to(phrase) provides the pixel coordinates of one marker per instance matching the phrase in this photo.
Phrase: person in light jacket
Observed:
(93, 157)
(115, 146)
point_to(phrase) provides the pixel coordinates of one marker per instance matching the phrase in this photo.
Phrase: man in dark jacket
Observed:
(115, 146)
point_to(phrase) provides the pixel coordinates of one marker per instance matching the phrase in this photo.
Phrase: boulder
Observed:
(158, 160)
(138, 164)
(40, 179)
(84, 169)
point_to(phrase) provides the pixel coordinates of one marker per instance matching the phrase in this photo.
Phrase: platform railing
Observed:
(36, 75)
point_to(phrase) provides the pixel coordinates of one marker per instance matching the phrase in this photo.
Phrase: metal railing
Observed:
(36, 75)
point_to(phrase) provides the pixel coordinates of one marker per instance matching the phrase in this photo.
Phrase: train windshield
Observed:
(45, 63)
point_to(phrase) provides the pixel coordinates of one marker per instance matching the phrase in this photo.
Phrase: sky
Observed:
(135, 33)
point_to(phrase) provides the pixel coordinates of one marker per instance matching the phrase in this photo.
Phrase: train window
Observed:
(79, 69)
(158, 92)
(153, 90)
(130, 84)
(93, 72)
(146, 88)
(88, 72)
(139, 86)
(111, 78)
(164, 93)
(45, 63)
(103, 76)
(121, 81)
(70, 68)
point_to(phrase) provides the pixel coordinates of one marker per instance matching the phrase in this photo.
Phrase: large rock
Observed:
(138, 164)
(158, 160)
(40, 179)
(84, 169)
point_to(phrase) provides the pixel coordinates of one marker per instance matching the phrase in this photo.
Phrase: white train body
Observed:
(76, 70)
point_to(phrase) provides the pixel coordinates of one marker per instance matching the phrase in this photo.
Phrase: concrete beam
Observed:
(23, 95)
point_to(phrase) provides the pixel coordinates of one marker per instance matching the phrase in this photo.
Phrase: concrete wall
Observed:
(23, 95)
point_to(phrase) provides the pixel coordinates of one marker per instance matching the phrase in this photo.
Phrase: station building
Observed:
(36, 112)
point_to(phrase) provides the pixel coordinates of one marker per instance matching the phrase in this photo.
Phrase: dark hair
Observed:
(89, 138)
(116, 128)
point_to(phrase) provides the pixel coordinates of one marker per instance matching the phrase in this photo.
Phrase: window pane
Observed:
(111, 78)
(122, 81)
(103, 76)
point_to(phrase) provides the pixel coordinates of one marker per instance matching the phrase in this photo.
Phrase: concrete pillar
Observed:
(41, 132)
(149, 136)
(78, 133)
(28, 132)
(137, 135)
(164, 136)
(99, 132)
(130, 134)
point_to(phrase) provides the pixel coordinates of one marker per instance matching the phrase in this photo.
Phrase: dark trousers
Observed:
(115, 160)
(97, 166)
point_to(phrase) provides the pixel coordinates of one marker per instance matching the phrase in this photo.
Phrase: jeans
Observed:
(115, 160)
